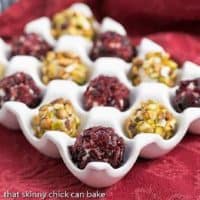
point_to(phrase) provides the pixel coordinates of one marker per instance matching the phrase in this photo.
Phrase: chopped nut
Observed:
(63, 65)
(61, 114)
(151, 117)
(73, 23)
(57, 115)
(156, 66)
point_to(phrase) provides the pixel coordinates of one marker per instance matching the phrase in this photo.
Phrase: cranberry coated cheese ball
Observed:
(30, 44)
(187, 95)
(98, 144)
(106, 91)
(111, 44)
(19, 87)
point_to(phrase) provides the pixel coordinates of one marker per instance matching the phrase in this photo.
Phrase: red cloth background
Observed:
(176, 176)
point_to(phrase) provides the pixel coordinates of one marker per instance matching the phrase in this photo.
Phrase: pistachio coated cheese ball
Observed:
(2, 71)
(63, 65)
(58, 115)
(71, 22)
(151, 117)
(156, 66)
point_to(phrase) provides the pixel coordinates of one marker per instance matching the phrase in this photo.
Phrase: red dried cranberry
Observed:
(30, 44)
(19, 87)
(111, 44)
(106, 91)
(98, 144)
(187, 95)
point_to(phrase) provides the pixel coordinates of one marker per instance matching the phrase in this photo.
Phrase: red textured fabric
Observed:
(176, 176)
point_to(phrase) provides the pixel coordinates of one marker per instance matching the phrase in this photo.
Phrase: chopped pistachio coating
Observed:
(156, 66)
(58, 115)
(2, 71)
(63, 65)
(151, 117)
(73, 23)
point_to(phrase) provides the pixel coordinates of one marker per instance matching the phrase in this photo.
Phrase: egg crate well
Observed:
(15, 115)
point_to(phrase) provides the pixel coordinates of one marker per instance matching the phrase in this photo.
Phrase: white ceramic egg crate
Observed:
(55, 143)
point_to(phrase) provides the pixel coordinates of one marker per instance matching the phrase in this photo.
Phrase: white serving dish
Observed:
(56, 143)
(42, 27)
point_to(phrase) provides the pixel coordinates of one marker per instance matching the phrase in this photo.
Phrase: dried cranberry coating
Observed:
(187, 95)
(111, 44)
(30, 44)
(98, 144)
(19, 87)
(106, 91)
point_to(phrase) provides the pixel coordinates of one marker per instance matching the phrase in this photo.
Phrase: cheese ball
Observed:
(63, 65)
(151, 117)
(187, 95)
(111, 44)
(19, 87)
(30, 44)
(2, 71)
(106, 91)
(156, 66)
(58, 115)
(99, 144)
(71, 22)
